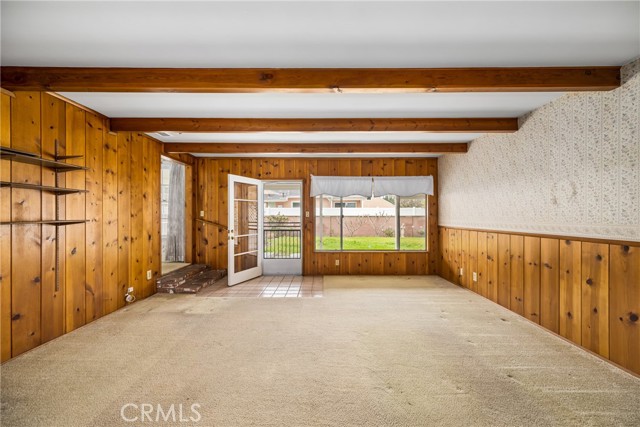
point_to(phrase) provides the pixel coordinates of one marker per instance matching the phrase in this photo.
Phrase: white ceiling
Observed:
(319, 34)
(320, 105)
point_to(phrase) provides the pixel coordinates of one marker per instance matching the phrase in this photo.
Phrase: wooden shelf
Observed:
(32, 159)
(68, 157)
(46, 222)
(58, 166)
(48, 189)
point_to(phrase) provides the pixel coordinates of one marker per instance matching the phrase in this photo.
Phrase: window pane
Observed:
(370, 225)
(245, 261)
(327, 223)
(413, 224)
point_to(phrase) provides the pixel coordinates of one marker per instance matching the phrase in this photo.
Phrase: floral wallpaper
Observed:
(572, 169)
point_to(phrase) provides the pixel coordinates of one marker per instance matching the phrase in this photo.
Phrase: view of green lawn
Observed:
(371, 243)
(291, 244)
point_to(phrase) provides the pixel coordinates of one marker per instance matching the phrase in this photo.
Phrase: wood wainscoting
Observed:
(99, 259)
(210, 238)
(586, 290)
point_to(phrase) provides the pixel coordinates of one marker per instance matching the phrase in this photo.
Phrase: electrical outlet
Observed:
(306, 214)
(149, 274)
(475, 276)
(337, 262)
(461, 272)
(201, 214)
(130, 290)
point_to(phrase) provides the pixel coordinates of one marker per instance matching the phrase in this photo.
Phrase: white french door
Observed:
(245, 228)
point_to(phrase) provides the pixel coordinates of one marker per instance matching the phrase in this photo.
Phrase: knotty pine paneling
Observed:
(531, 303)
(595, 297)
(504, 270)
(96, 257)
(492, 266)
(53, 128)
(137, 269)
(473, 260)
(26, 240)
(570, 296)
(624, 306)
(458, 253)
(74, 248)
(110, 222)
(516, 246)
(482, 264)
(464, 261)
(445, 261)
(550, 284)
(210, 186)
(587, 291)
(5, 232)
(93, 210)
(123, 201)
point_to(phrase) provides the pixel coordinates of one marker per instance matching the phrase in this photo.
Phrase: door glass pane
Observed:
(245, 261)
(246, 244)
(246, 218)
(245, 226)
(246, 191)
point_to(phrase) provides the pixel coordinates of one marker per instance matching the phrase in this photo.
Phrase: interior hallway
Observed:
(392, 351)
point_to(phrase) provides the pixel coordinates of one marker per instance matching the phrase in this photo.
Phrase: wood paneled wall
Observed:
(210, 241)
(587, 291)
(99, 260)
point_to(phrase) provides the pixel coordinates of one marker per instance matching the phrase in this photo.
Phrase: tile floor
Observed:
(269, 287)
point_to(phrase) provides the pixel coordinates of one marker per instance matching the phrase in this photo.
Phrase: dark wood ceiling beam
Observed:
(313, 148)
(315, 125)
(230, 80)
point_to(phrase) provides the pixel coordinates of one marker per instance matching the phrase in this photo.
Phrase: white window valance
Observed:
(342, 186)
(403, 186)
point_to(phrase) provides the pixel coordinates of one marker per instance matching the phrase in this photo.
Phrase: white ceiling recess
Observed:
(301, 105)
(317, 105)
(319, 33)
(316, 137)
(320, 155)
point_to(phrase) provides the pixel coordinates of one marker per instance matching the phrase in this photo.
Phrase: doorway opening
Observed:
(282, 253)
(172, 216)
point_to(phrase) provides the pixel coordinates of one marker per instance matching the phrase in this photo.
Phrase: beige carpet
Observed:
(374, 352)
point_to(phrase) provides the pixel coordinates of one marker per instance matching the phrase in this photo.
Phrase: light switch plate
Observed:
(148, 274)
(461, 271)
(201, 214)
(475, 276)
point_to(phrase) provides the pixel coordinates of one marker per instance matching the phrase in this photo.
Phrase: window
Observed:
(389, 214)
(344, 204)
(295, 204)
(387, 223)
